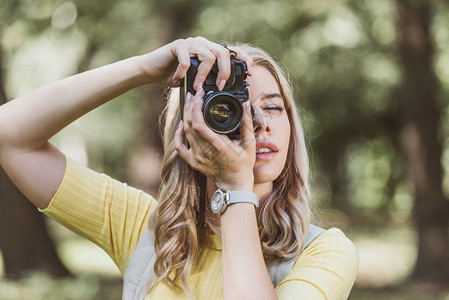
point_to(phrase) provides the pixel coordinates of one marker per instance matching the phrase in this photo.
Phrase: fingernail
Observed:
(252, 71)
(180, 123)
(221, 85)
(201, 94)
(200, 91)
(199, 86)
(199, 99)
(188, 97)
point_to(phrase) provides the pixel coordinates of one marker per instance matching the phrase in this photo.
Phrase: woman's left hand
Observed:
(229, 163)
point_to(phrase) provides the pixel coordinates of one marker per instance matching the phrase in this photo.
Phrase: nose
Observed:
(261, 122)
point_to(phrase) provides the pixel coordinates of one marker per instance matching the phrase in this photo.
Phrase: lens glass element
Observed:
(221, 112)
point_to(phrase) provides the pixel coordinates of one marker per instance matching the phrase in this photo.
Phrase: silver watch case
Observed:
(222, 199)
(219, 201)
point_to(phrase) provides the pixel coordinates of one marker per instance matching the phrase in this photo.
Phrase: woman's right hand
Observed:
(169, 64)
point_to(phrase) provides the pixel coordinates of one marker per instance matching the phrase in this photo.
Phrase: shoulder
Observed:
(327, 268)
(332, 242)
(334, 251)
(332, 238)
(106, 211)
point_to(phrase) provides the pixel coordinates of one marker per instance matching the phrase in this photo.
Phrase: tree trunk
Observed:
(418, 136)
(24, 240)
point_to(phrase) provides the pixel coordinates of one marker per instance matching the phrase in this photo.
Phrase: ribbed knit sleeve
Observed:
(109, 213)
(326, 269)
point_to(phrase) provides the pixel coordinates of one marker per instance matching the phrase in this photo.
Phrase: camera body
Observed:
(222, 110)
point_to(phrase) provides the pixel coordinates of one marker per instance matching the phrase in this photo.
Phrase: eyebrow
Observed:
(271, 96)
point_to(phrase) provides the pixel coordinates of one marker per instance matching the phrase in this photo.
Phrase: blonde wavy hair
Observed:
(283, 217)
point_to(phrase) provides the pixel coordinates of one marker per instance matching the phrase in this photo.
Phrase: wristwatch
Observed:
(221, 199)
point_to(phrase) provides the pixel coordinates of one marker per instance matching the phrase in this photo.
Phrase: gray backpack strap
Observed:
(277, 269)
(140, 268)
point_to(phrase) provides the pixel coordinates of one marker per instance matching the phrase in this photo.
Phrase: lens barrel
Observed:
(223, 112)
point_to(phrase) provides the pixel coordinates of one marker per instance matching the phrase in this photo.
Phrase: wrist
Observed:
(237, 185)
(222, 199)
(141, 62)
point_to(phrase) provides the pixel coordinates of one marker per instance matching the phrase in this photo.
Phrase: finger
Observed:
(181, 51)
(190, 156)
(186, 111)
(207, 59)
(188, 105)
(247, 138)
(224, 67)
(182, 149)
(223, 63)
(190, 125)
(203, 70)
(246, 58)
(201, 152)
(199, 126)
(223, 60)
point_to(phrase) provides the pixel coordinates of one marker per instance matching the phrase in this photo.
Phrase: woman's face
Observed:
(271, 125)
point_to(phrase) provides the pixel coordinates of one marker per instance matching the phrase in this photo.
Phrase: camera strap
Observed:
(202, 208)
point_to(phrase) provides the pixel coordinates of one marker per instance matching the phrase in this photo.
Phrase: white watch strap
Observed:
(242, 196)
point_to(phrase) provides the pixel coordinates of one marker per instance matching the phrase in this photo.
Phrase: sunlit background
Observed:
(343, 60)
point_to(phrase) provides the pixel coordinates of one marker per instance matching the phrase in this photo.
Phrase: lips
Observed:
(265, 150)
(264, 147)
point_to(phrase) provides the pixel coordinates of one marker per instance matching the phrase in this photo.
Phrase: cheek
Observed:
(285, 132)
(283, 137)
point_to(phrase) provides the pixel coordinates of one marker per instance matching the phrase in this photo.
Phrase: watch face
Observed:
(217, 201)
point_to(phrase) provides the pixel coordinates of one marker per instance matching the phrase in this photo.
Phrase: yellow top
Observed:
(114, 215)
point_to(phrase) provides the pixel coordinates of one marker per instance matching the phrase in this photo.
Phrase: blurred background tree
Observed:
(419, 135)
(371, 78)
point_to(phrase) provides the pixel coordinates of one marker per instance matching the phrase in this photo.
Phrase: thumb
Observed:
(247, 138)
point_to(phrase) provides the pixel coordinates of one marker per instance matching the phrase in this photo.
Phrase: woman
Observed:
(228, 259)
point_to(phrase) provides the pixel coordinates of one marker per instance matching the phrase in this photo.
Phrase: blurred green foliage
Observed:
(340, 55)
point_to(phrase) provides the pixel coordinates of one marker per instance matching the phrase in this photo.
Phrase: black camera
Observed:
(222, 110)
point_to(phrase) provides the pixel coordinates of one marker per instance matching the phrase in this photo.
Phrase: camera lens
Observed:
(223, 112)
